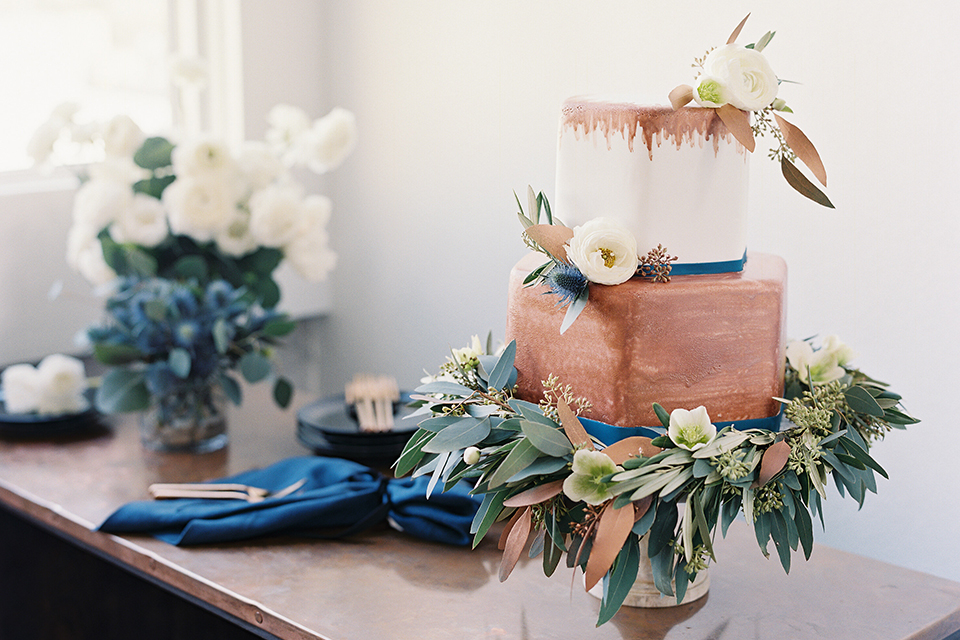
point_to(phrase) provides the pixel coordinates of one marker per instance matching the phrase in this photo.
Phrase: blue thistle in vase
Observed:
(566, 281)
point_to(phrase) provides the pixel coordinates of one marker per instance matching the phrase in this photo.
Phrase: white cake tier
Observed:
(674, 178)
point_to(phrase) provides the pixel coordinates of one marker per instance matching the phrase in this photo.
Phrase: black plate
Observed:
(336, 422)
(37, 425)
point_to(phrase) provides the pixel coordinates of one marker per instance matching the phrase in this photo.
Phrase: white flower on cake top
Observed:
(734, 74)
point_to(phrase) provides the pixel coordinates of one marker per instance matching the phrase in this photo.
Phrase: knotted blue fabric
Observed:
(339, 498)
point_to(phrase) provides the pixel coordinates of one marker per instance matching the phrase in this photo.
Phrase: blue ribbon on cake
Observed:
(608, 433)
(705, 268)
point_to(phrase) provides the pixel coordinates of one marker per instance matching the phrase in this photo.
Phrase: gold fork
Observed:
(218, 491)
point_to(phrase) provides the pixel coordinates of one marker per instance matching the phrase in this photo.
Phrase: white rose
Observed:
(21, 388)
(85, 255)
(258, 165)
(144, 222)
(62, 381)
(197, 158)
(310, 254)
(330, 140)
(235, 239)
(99, 202)
(286, 123)
(277, 215)
(747, 80)
(200, 207)
(121, 136)
(604, 251)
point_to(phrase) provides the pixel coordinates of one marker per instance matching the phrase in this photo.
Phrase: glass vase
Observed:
(190, 418)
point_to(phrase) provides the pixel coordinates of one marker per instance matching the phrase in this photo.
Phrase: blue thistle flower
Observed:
(566, 281)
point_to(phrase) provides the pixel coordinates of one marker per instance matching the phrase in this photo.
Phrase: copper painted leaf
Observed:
(802, 184)
(612, 532)
(536, 495)
(738, 122)
(773, 461)
(681, 96)
(641, 507)
(633, 446)
(736, 32)
(801, 145)
(515, 543)
(552, 237)
(505, 533)
(572, 427)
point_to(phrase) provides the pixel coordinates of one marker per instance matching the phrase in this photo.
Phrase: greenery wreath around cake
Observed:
(591, 502)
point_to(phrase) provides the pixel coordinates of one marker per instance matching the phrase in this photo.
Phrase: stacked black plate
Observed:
(329, 427)
(32, 425)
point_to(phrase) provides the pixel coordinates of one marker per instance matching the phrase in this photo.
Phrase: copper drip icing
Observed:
(690, 125)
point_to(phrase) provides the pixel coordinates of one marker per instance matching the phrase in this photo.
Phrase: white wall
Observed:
(457, 104)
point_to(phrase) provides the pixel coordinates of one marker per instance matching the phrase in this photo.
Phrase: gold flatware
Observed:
(219, 491)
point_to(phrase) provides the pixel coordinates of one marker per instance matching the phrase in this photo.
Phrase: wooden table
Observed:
(386, 585)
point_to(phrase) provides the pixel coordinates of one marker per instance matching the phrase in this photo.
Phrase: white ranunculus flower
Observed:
(259, 165)
(21, 388)
(62, 381)
(691, 430)
(747, 80)
(99, 202)
(277, 215)
(121, 169)
(604, 251)
(200, 207)
(286, 123)
(198, 158)
(144, 222)
(235, 239)
(814, 367)
(121, 136)
(329, 141)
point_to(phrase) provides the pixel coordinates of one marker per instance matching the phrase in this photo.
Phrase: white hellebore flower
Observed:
(604, 251)
(21, 388)
(144, 222)
(691, 430)
(584, 484)
(736, 75)
(814, 367)
(62, 381)
(471, 352)
(309, 252)
(842, 351)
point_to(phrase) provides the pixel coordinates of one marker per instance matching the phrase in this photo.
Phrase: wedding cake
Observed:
(714, 336)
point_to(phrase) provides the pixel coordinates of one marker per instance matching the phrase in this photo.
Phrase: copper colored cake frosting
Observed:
(712, 340)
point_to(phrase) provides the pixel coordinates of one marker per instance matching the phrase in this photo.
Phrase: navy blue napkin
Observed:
(339, 498)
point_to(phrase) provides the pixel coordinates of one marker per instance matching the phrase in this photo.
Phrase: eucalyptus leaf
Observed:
(116, 354)
(122, 390)
(179, 361)
(547, 439)
(619, 580)
(861, 401)
(282, 392)
(502, 373)
(662, 415)
(540, 467)
(192, 266)
(522, 455)
(490, 508)
(154, 153)
(802, 184)
(279, 327)
(444, 387)
(574, 309)
(221, 335)
(232, 389)
(254, 366)
(465, 432)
